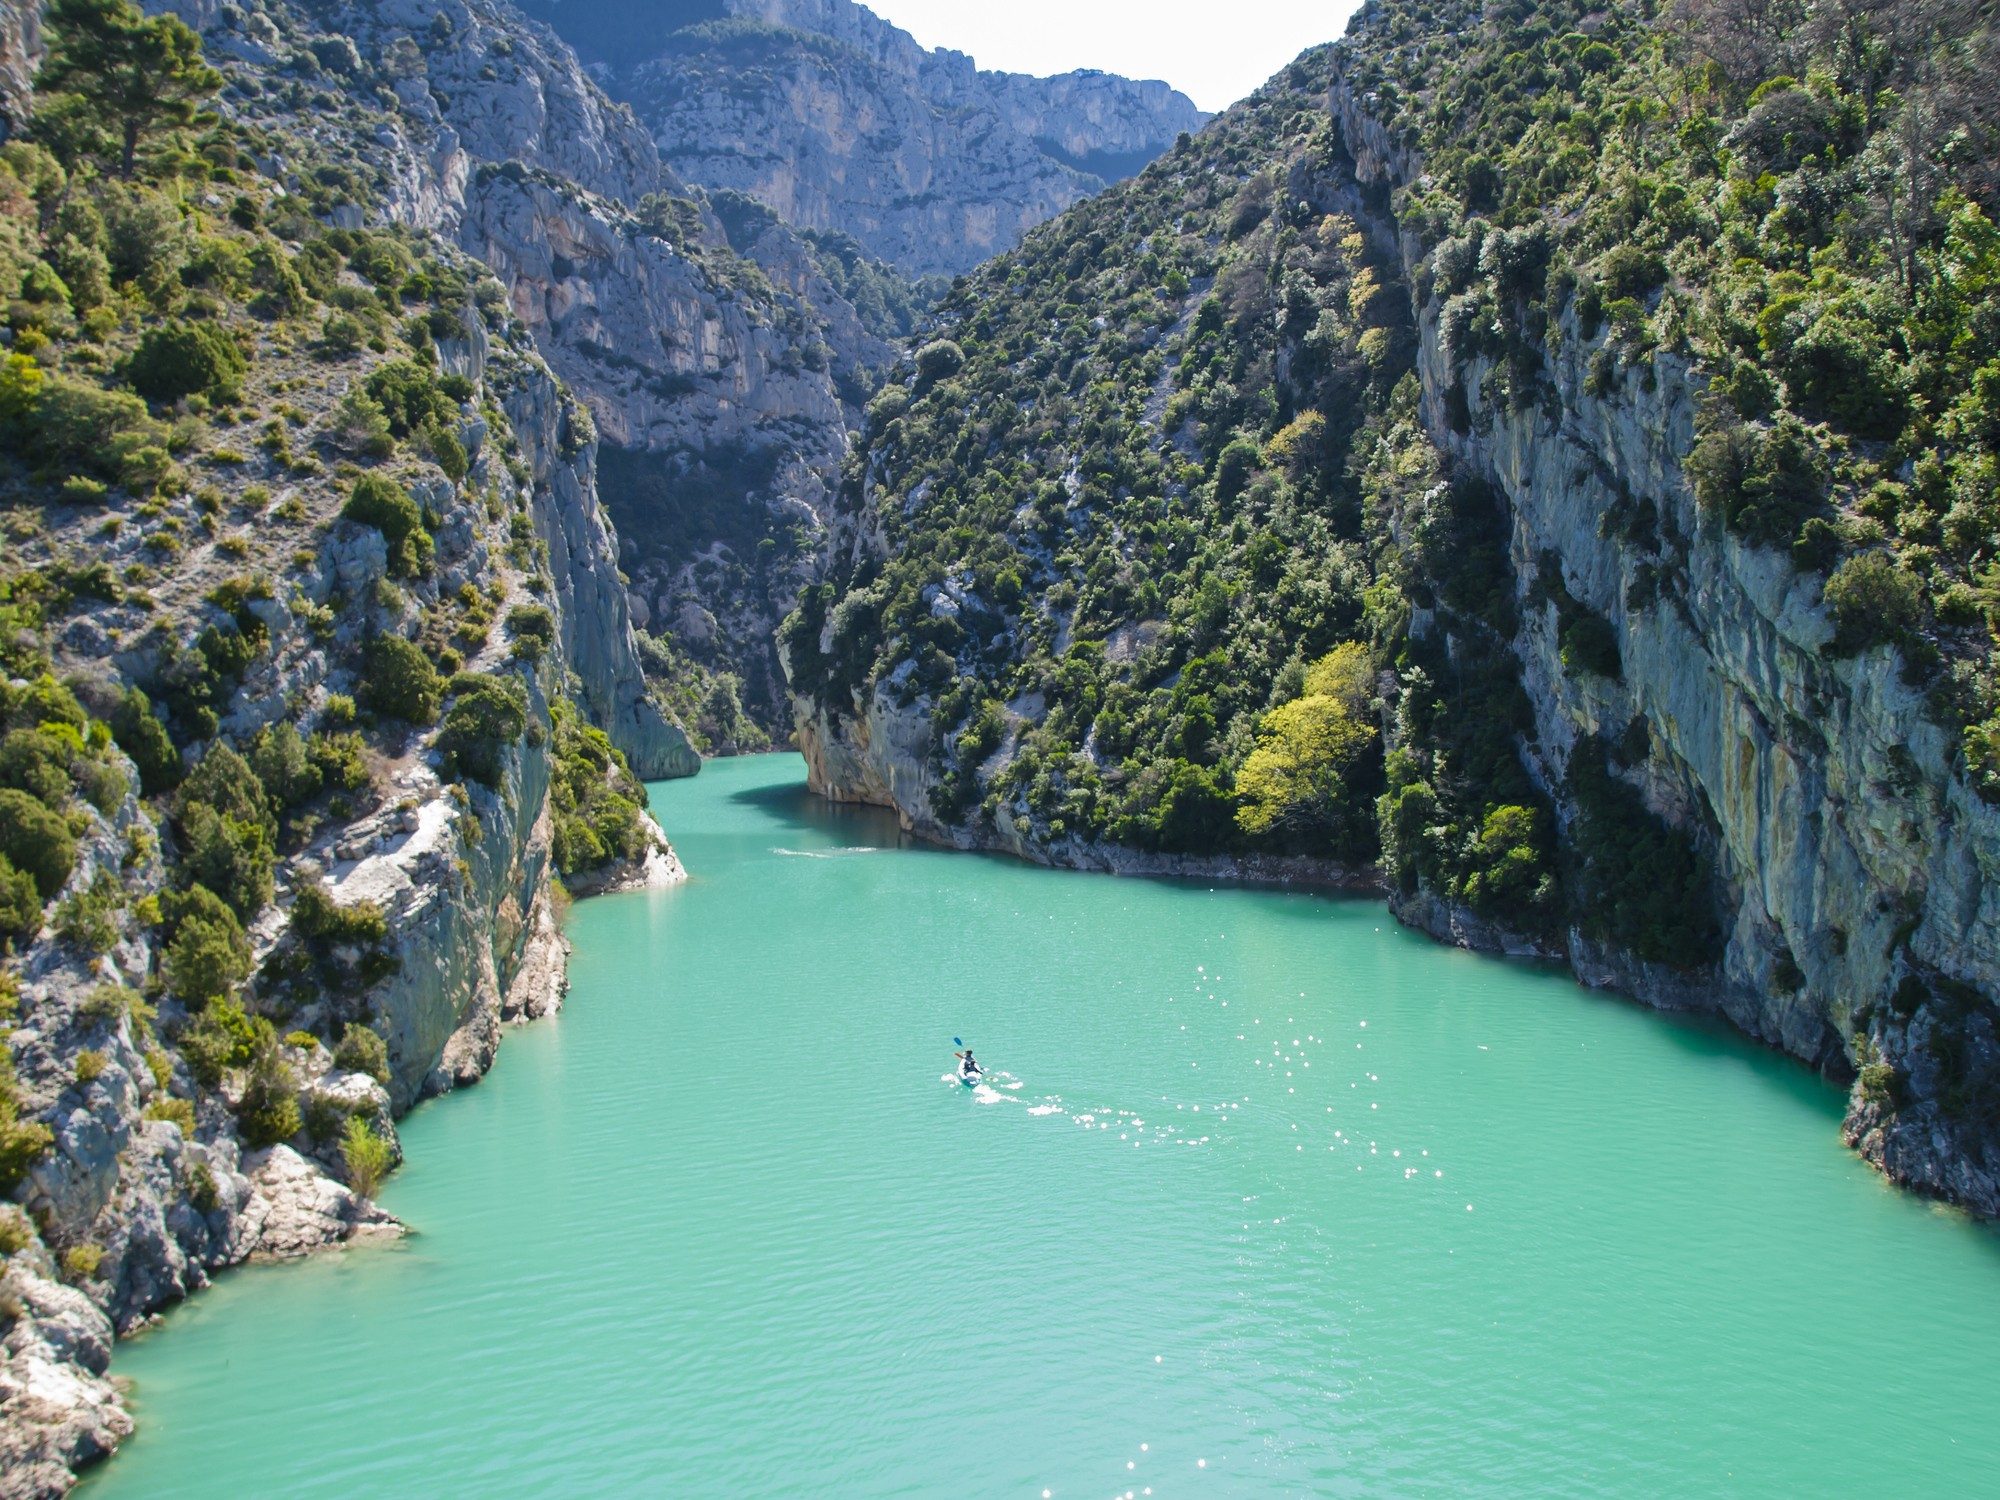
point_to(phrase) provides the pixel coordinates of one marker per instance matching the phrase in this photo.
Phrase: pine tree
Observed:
(143, 73)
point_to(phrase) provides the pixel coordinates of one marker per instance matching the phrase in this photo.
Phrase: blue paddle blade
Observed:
(958, 1041)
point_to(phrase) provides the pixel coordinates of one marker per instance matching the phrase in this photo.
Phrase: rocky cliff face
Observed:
(838, 120)
(1555, 614)
(161, 1132)
(721, 377)
(1857, 864)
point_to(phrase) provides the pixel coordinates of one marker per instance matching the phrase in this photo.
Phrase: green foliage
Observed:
(1873, 602)
(135, 74)
(1589, 643)
(207, 954)
(533, 628)
(180, 358)
(599, 807)
(20, 904)
(223, 1037)
(268, 1111)
(88, 918)
(410, 396)
(488, 713)
(179, 1112)
(938, 360)
(362, 1050)
(1766, 485)
(368, 1157)
(144, 738)
(36, 841)
(228, 834)
(382, 503)
(400, 681)
(1641, 883)
(22, 1142)
(1296, 784)
(321, 920)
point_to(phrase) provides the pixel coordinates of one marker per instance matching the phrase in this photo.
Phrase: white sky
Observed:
(1214, 51)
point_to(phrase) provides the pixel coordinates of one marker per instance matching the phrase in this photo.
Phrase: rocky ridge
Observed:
(734, 368)
(838, 120)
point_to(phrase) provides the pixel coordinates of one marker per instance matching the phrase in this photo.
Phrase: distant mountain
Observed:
(840, 121)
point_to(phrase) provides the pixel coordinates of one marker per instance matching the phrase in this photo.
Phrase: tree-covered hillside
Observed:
(289, 518)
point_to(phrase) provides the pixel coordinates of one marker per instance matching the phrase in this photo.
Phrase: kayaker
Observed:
(968, 1066)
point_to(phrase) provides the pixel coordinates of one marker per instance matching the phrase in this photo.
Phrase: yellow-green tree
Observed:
(1294, 784)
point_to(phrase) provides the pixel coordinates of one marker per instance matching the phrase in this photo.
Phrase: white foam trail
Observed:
(841, 853)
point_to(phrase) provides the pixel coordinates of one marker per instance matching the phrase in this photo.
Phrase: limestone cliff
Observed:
(838, 120)
(1078, 590)
(1857, 863)
(721, 376)
(397, 712)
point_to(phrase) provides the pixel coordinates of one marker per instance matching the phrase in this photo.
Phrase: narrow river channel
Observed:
(1265, 1196)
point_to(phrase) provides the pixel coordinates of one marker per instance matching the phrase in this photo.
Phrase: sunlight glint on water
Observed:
(1263, 1195)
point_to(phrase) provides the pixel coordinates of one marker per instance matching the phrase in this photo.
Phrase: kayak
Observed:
(969, 1078)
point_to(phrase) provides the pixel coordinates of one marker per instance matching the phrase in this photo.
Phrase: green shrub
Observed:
(400, 681)
(938, 360)
(179, 358)
(362, 1050)
(89, 918)
(1766, 486)
(1589, 643)
(37, 761)
(21, 1141)
(1873, 602)
(17, 1232)
(144, 738)
(1879, 1085)
(409, 395)
(269, 1110)
(319, 918)
(101, 432)
(340, 759)
(597, 804)
(80, 1262)
(533, 628)
(20, 904)
(284, 765)
(175, 1109)
(90, 1065)
(231, 856)
(488, 713)
(222, 1037)
(34, 839)
(367, 1155)
(382, 503)
(207, 954)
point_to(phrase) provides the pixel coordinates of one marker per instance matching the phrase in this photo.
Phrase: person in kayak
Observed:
(968, 1065)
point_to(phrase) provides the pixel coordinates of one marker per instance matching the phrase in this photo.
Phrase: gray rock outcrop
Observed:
(839, 120)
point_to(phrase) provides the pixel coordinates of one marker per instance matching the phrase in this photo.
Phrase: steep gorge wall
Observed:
(1853, 866)
(1852, 854)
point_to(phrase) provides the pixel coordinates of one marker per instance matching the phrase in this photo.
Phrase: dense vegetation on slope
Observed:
(1167, 457)
(1163, 469)
(1796, 197)
(226, 424)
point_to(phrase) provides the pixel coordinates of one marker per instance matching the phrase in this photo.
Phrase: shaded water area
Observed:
(1265, 1196)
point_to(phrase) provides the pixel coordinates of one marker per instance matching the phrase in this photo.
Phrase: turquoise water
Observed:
(1286, 1201)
